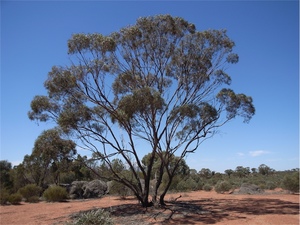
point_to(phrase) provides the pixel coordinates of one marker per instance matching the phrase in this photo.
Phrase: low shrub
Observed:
(223, 186)
(4, 195)
(207, 187)
(55, 194)
(33, 199)
(187, 185)
(270, 185)
(30, 191)
(291, 182)
(117, 188)
(15, 199)
(98, 216)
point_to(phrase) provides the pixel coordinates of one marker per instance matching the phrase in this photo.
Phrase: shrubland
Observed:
(185, 180)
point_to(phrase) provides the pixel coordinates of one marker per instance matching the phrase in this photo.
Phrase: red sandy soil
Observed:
(197, 207)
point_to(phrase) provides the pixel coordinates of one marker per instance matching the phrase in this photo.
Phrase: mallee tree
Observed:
(159, 85)
(50, 156)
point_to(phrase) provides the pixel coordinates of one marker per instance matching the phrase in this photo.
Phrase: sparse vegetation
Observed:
(223, 186)
(55, 194)
(15, 198)
(117, 188)
(98, 216)
(4, 195)
(186, 179)
(291, 182)
(207, 187)
(30, 192)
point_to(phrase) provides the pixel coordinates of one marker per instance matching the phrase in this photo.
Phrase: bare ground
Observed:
(197, 207)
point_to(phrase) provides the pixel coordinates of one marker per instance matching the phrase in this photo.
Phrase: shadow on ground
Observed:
(206, 211)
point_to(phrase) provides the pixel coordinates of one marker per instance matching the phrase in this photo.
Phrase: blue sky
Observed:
(34, 38)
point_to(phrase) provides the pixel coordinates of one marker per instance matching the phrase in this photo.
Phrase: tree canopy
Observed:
(159, 81)
(51, 155)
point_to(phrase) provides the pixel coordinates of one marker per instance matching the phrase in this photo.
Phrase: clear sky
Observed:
(34, 38)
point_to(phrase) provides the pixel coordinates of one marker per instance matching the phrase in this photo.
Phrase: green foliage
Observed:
(67, 177)
(30, 192)
(270, 185)
(19, 177)
(223, 186)
(5, 179)
(55, 194)
(291, 182)
(205, 173)
(15, 199)
(51, 156)
(93, 217)
(265, 170)
(4, 195)
(207, 187)
(241, 171)
(187, 185)
(229, 172)
(117, 188)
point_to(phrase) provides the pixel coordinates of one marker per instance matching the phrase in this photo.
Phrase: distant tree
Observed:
(20, 177)
(5, 178)
(51, 155)
(80, 167)
(159, 81)
(241, 171)
(265, 170)
(254, 170)
(194, 175)
(205, 173)
(229, 172)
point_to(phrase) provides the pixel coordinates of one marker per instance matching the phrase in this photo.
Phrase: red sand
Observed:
(197, 207)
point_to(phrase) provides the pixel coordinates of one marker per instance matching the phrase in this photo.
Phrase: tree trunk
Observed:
(162, 196)
(158, 183)
(146, 203)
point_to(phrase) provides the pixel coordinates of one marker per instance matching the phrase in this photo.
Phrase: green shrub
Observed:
(117, 188)
(291, 182)
(4, 195)
(15, 199)
(207, 187)
(55, 194)
(67, 178)
(33, 199)
(223, 186)
(98, 216)
(262, 186)
(187, 185)
(30, 191)
(270, 185)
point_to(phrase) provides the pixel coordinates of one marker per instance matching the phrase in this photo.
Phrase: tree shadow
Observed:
(216, 210)
(206, 211)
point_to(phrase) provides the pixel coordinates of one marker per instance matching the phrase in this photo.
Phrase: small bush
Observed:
(15, 199)
(4, 195)
(99, 217)
(30, 191)
(207, 187)
(120, 189)
(187, 185)
(55, 194)
(291, 182)
(270, 185)
(33, 199)
(223, 186)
